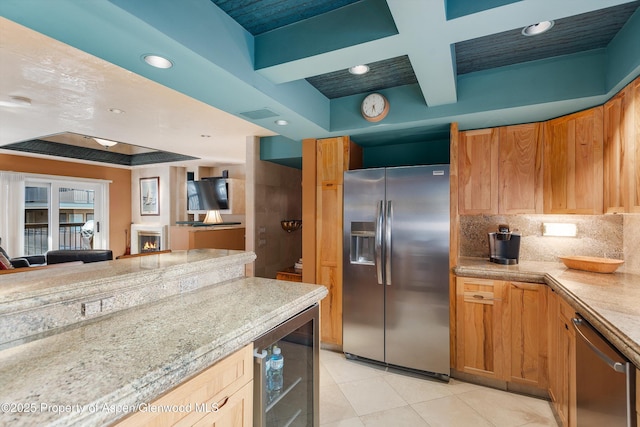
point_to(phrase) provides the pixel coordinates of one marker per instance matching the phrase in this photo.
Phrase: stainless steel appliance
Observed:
(396, 267)
(605, 385)
(297, 403)
(504, 246)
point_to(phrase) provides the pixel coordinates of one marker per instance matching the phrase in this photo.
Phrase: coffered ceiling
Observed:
(436, 61)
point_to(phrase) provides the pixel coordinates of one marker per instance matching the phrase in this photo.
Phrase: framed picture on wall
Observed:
(149, 196)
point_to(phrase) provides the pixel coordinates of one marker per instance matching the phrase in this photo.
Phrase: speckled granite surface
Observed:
(610, 302)
(43, 301)
(129, 357)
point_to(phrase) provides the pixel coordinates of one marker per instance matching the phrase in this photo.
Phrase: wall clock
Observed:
(375, 107)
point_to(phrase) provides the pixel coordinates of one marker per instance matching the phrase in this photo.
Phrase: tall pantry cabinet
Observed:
(324, 162)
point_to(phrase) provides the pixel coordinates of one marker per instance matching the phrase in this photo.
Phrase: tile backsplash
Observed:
(610, 236)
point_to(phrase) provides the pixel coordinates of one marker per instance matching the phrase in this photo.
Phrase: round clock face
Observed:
(375, 107)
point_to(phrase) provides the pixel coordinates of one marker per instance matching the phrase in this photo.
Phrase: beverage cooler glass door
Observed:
(294, 402)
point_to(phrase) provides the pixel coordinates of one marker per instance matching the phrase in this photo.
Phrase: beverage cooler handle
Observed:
(387, 244)
(378, 242)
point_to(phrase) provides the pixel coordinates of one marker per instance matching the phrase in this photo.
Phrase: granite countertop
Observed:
(610, 302)
(94, 372)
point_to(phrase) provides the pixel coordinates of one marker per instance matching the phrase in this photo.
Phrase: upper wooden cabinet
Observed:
(573, 163)
(478, 171)
(520, 169)
(622, 151)
(500, 170)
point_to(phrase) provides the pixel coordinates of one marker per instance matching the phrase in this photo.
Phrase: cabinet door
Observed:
(622, 151)
(478, 172)
(479, 347)
(524, 325)
(236, 411)
(616, 152)
(332, 160)
(563, 364)
(520, 169)
(632, 134)
(573, 163)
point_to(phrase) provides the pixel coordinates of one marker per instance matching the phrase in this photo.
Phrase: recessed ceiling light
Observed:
(359, 69)
(105, 142)
(116, 111)
(157, 61)
(539, 28)
(281, 122)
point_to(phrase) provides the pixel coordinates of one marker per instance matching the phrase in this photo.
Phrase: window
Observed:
(61, 214)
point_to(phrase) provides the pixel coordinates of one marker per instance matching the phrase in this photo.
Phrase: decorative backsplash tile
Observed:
(610, 236)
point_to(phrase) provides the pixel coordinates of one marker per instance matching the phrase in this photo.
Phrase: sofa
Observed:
(54, 257)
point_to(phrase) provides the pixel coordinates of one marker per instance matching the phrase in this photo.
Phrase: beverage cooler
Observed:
(289, 394)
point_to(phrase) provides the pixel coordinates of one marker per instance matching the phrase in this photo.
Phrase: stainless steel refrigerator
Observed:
(396, 267)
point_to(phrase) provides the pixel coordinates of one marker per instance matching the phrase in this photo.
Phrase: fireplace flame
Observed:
(148, 246)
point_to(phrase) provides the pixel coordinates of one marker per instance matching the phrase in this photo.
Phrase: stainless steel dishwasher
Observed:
(605, 392)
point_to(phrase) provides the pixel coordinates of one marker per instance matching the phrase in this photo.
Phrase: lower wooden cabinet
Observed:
(220, 396)
(479, 309)
(562, 360)
(524, 324)
(501, 331)
(638, 396)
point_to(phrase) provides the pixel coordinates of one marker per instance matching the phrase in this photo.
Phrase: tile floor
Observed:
(353, 394)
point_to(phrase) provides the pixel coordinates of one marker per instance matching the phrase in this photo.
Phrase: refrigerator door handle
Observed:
(378, 242)
(387, 244)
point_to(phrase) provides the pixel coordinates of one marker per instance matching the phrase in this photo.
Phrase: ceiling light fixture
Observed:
(359, 69)
(539, 28)
(157, 61)
(105, 142)
(281, 122)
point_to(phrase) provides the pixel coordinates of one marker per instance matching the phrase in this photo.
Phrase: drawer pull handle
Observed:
(221, 403)
(476, 296)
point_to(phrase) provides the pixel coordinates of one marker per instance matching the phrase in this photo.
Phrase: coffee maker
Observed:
(504, 246)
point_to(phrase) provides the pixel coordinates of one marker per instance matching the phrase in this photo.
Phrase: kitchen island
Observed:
(608, 301)
(98, 369)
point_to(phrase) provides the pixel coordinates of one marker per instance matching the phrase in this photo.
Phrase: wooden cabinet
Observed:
(637, 397)
(526, 346)
(562, 357)
(520, 169)
(501, 330)
(289, 274)
(479, 312)
(220, 396)
(573, 163)
(500, 170)
(478, 172)
(622, 151)
(333, 156)
(186, 237)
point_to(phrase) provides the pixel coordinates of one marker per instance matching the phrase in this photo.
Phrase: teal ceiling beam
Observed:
(623, 55)
(350, 25)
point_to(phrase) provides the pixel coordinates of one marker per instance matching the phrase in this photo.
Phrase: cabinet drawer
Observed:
(481, 291)
(209, 389)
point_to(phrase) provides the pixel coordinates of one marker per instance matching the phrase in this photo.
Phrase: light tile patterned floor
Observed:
(353, 394)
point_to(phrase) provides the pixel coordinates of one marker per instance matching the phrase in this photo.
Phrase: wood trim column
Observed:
(309, 210)
(454, 238)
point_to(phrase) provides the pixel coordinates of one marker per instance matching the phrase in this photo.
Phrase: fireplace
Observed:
(149, 241)
(148, 238)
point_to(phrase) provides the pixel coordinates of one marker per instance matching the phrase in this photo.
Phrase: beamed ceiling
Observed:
(436, 61)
